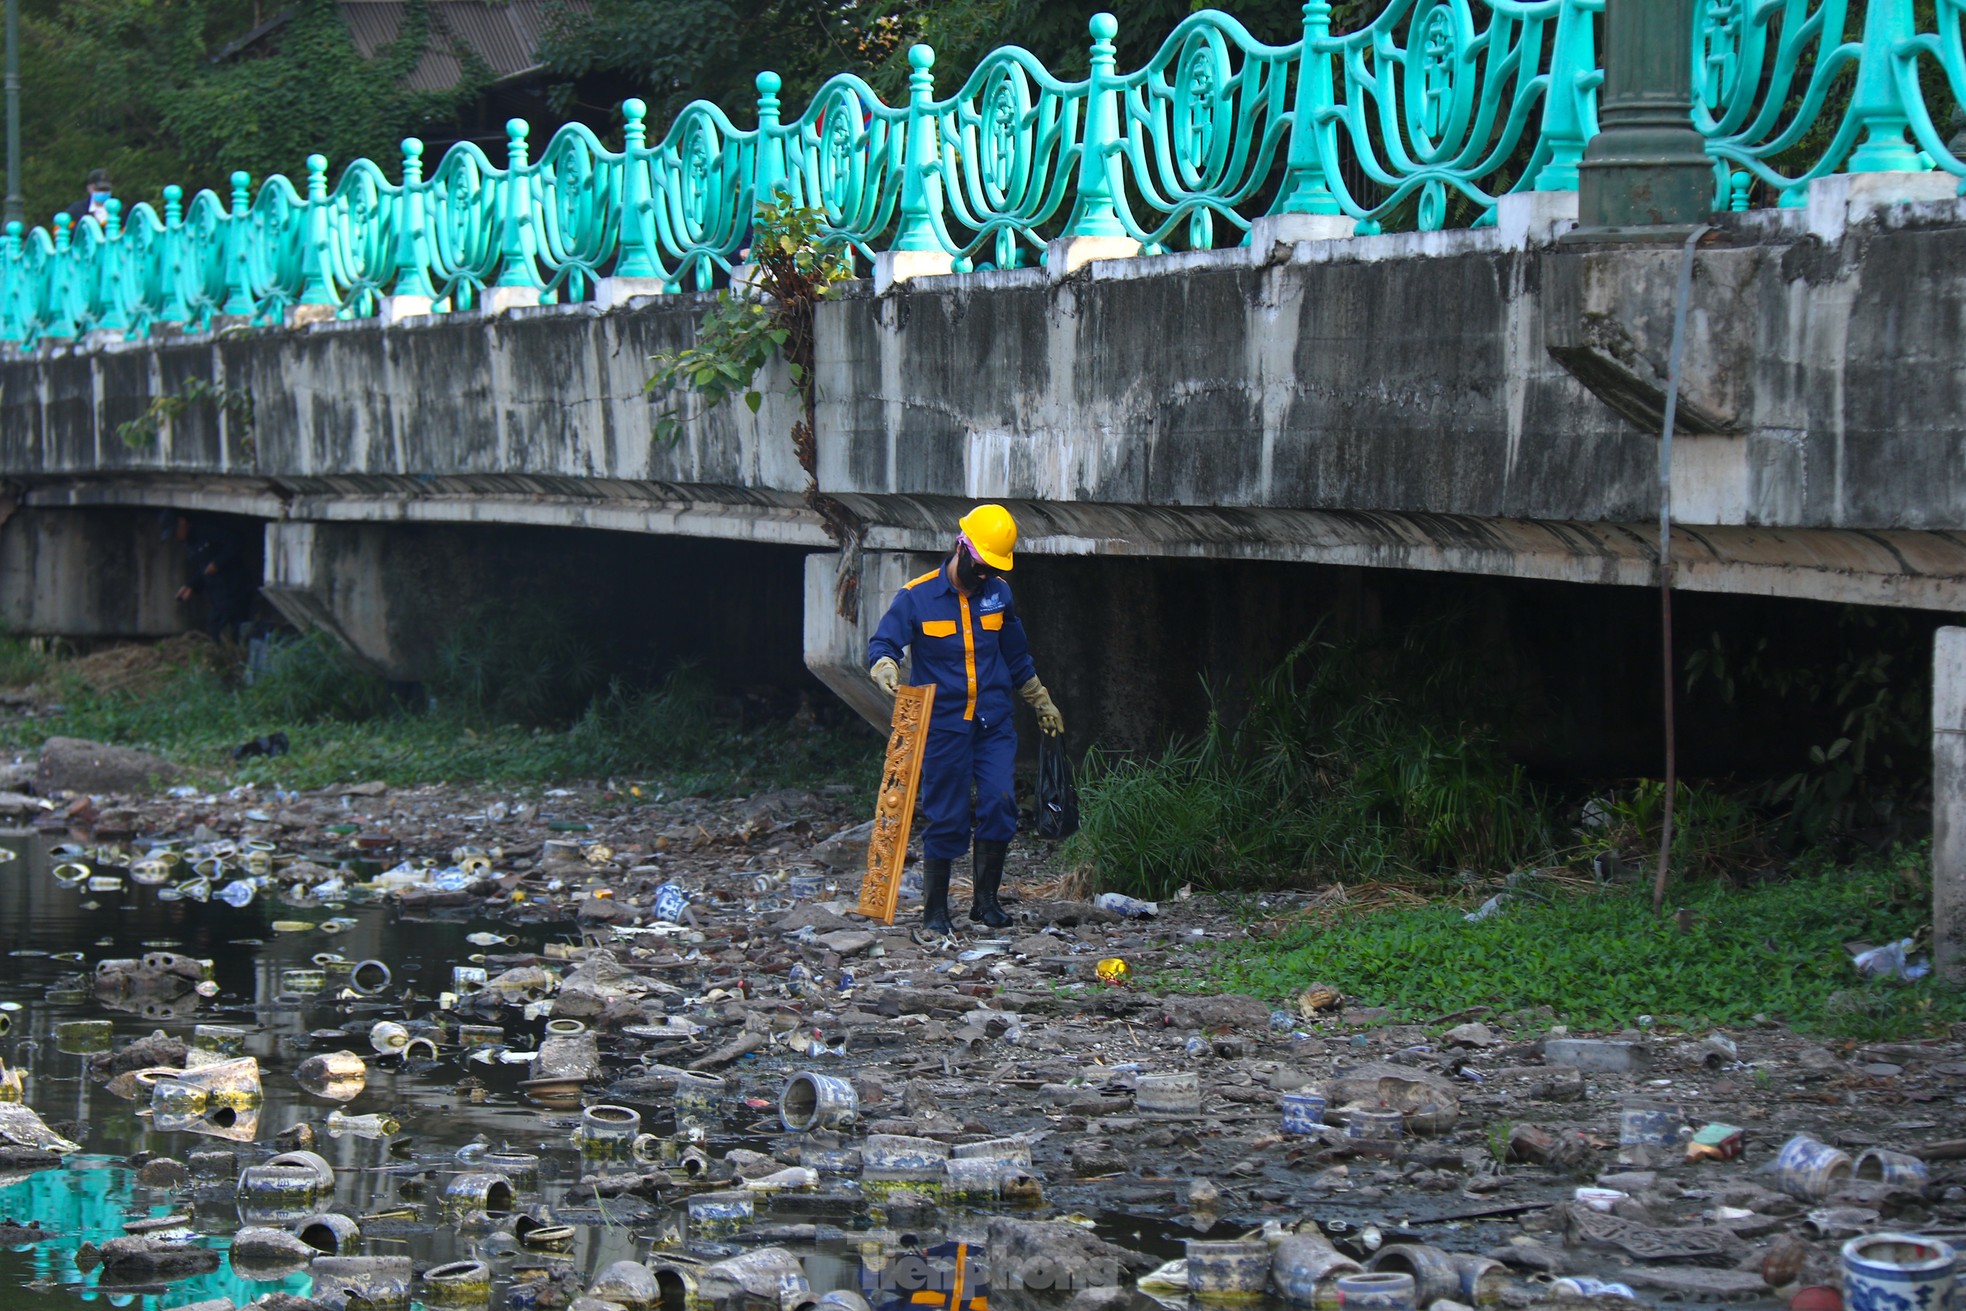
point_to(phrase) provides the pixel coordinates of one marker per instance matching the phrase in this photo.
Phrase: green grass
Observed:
(343, 727)
(1601, 960)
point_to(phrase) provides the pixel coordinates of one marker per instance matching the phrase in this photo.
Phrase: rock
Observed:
(1107, 1297)
(1055, 1256)
(76, 764)
(814, 917)
(1471, 1035)
(159, 1048)
(1700, 1284)
(578, 1057)
(1430, 1102)
(264, 1249)
(289, 1302)
(1092, 1157)
(1598, 1055)
(163, 1173)
(846, 849)
(847, 942)
(153, 1256)
(1562, 1151)
(20, 1235)
(1228, 1010)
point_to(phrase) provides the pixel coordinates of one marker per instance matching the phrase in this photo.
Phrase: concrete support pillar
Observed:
(92, 573)
(1949, 804)
(835, 648)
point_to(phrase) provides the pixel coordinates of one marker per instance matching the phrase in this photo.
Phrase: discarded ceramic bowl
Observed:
(1433, 1272)
(554, 1094)
(388, 1037)
(539, 1235)
(329, 1232)
(380, 1282)
(303, 983)
(1011, 1151)
(890, 1159)
(988, 1180)
(720, 1215)
(1811, 1170)
(1645, 1124)
(1369, 1124)
(818, 1101)
(338, 1076)
(218, 1039)
(313, 1162)
(368, 977)
(467, 979)
(1167, 1094)
(1236, 1270)
(419, 1050)
(607, 1133)
(1304, 1270)
(1894, 1272)
(1875, 1165)
(479, 1035)
(564, 1028)
(522, 1168)
(806, 887)
(478, 1190)
(697, 1093)
(279, 1193)
(457, 1284)
(1303, 1112)
(80, 1037)
(1376, 1290)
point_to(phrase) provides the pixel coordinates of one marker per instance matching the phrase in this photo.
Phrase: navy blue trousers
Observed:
(963, 753)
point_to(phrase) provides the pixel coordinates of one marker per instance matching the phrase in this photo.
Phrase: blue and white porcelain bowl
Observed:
(1898, 1272)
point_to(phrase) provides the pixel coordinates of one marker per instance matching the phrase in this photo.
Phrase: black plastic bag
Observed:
(1058, 800)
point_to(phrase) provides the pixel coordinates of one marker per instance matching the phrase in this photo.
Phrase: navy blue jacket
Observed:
(973, 649)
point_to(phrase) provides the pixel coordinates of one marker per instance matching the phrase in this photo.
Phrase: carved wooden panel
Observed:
(894, 810)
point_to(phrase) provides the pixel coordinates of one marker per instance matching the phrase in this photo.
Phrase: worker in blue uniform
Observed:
(962, 628)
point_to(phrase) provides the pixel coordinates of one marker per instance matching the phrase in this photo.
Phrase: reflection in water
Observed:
(90, 1199)
(58, 933)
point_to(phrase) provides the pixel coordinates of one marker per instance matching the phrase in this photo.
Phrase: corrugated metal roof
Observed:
(506, 36)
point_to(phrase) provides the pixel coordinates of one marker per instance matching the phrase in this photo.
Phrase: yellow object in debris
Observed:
(1111, 970)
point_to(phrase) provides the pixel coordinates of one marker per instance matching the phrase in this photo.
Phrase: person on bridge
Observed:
(962, 627)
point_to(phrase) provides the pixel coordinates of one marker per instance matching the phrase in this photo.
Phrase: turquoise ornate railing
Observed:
(1424, 117)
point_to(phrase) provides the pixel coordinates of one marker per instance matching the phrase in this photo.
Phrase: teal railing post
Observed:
(109, 273)
(1877, 102)
(1306, 188)
(412, 230)
(921, 181)
(635, 259)
(1095, 214)
(1573, 72)
(518, 282)
(238, 257)
(61, 302)
(13, 287)
(768, 159)
(315, 290)
(170, 263)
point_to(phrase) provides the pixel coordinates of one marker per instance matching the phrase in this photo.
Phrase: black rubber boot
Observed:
(935, 897)
(983, 907)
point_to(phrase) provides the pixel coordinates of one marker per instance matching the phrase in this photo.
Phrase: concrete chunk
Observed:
(1597, 1055)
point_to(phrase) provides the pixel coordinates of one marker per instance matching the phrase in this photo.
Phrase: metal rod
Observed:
(1682, 295)
(14, 208)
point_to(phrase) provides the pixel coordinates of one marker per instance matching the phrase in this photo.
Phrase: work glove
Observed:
(887, 675)
(1049, 720)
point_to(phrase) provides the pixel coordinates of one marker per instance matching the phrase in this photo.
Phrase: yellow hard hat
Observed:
(993, 533)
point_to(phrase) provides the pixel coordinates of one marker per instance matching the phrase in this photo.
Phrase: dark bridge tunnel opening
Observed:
(1140, 651)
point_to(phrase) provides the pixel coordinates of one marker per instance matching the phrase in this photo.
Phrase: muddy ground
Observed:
(1013, 1032)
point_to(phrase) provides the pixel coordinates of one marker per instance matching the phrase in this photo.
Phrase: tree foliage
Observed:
(136, 87)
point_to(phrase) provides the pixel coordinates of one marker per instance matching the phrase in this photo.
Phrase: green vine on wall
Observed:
(235, 403)
(795, 262)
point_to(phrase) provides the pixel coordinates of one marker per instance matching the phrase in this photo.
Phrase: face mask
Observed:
(101, 198)
(970, 573)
